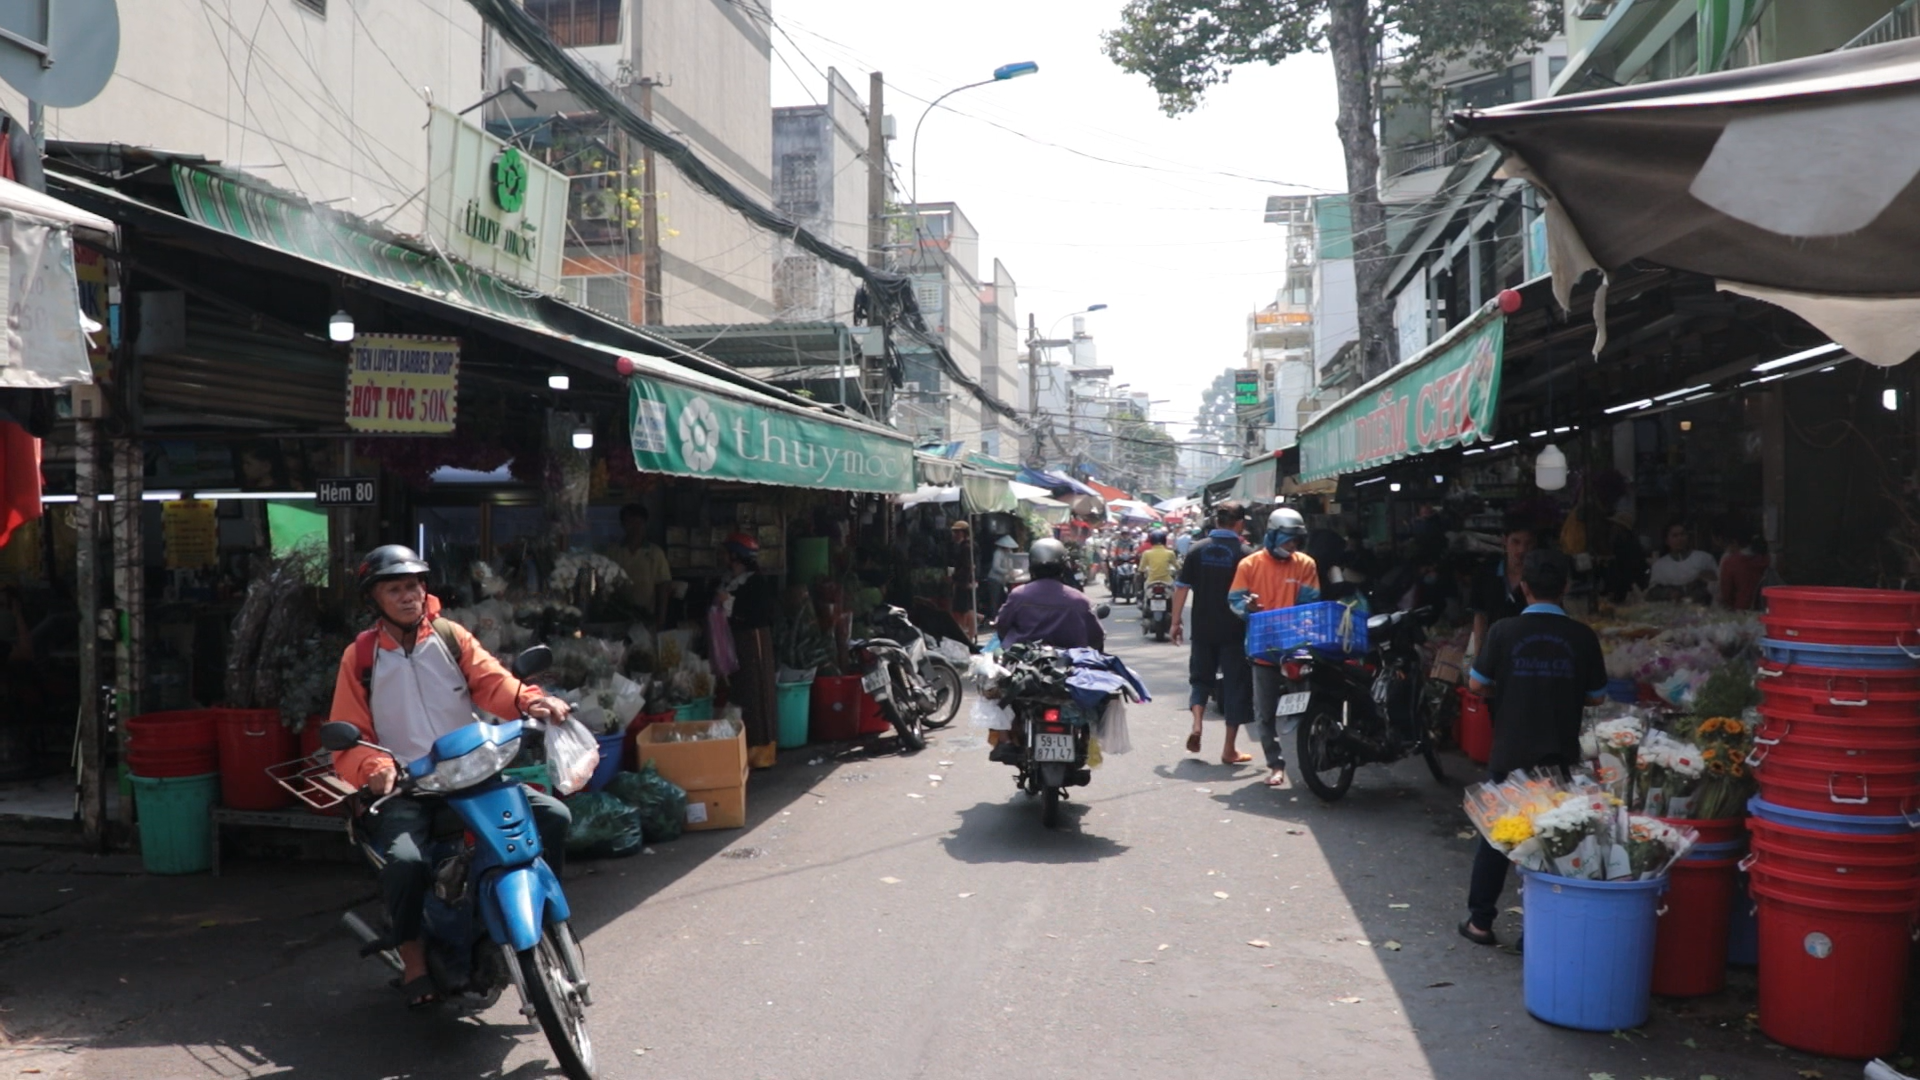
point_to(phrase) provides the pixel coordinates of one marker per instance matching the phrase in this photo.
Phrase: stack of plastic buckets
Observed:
(1690, 954)
(1835, 868)
(174, 761)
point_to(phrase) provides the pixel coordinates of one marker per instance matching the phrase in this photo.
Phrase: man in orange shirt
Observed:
(421, 679)
(1277, 576)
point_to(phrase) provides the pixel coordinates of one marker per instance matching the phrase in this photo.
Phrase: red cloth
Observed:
(1740, 575)
(19, 478)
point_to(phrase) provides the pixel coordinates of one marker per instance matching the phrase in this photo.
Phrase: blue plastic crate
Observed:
(1328, 626)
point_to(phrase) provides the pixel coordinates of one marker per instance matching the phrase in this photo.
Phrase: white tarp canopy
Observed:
(44, 346)
(928, 493)
(1789, 182)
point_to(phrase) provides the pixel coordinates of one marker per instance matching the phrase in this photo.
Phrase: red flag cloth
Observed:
(19, 478)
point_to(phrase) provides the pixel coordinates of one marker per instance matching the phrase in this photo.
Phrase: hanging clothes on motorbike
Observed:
(1090, 688)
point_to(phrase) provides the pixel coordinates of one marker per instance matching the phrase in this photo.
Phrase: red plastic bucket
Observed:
(1874, 782)
(251, 740)
(1893, 859)
(1848, 633)
(871, 720)
(1799, 728)
(171, 730)
(1833, 965)
(1837, 680)
(1690, 948)
(1711, 830)
(630, 747)
(1845, 699)
(1858, 607)
(172, 762)
(836, 708)
(1474, 730)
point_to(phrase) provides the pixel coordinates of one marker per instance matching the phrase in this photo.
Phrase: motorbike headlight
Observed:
(470, 768)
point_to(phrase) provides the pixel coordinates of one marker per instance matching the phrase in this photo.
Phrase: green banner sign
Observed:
(688, 433)
(1445, 397)
(1246, 387)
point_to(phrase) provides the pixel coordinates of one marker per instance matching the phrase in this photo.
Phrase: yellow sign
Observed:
(403, 385)
(191, 534)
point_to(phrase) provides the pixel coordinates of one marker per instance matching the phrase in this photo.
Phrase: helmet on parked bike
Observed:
(1284, 526)
(389, 561)
(1047, 558)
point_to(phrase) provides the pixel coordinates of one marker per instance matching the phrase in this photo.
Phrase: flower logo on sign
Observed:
(699, 435)
(510, 180)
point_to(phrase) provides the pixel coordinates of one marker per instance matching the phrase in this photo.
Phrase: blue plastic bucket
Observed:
(1589, 958)
(609, 767)
(1876, 657)
(1625, 691)
(1840, 823)
(1724, 849)
(1743, 929)
(793, 707)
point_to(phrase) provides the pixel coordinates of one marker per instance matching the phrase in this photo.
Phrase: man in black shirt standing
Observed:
(1218, 663)
(1539, 669)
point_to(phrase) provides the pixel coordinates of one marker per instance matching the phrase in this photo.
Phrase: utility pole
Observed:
(650, 280)
(876, 171)
(1033, 390)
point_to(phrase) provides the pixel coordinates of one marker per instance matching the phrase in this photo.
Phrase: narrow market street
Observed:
(884, 915)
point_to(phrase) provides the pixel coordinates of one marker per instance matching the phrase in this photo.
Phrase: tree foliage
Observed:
(1185, 47)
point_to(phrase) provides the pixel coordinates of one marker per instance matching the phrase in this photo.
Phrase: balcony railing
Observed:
(1897, 25)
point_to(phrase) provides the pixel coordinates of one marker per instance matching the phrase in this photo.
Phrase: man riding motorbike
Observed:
(407, 681)
(1048, 611)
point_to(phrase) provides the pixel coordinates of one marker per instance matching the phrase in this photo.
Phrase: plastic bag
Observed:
(572, 755)
(1112, 727)
(661, 803)
(991, 715)
(603, 827)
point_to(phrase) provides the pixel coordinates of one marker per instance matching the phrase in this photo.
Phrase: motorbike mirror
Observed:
(532, 662)
(338, 735)
(1102, 611)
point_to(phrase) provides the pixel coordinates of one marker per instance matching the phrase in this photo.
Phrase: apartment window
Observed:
(318, 7)
(797, 183)
(604, 293)
(574, 23)
(796, 286)
(1511, 85)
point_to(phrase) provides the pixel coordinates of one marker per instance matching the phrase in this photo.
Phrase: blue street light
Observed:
(1000, 74)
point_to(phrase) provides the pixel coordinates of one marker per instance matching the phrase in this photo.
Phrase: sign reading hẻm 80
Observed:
(400, 385)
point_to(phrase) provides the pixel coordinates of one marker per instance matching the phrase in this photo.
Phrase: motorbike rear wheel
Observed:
(1050, 807)
(906, 723)
(947, 691)
(561, 1011)
(1325, 765)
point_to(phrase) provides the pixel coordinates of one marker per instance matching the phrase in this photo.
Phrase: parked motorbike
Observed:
(890, 674)
(496, 915)
(934, 660)
(1366, 710)
(1156, 610)
(1123, 579)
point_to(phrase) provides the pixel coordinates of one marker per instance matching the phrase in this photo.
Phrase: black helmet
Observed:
(1047, 558)
(389, 561)
(1157, 536)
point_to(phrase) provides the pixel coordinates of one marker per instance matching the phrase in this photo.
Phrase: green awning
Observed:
(703, 427)
(1446, 396)
(988, 494)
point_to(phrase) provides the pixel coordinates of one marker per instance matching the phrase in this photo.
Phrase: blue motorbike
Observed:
(496, 915)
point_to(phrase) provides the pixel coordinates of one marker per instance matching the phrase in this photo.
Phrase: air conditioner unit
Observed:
(910, 387)
(599, 204)
(1271, 372)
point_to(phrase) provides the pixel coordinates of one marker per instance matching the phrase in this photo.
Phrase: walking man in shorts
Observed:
(1217, 665)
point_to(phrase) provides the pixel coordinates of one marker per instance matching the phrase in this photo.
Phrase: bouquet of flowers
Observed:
(1670, 771)
(1573, 828)
(1725, 743)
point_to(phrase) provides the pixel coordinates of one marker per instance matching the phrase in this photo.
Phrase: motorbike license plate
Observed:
(1047, 747)
(1293, 703)
(875, 681)
(1156, 605)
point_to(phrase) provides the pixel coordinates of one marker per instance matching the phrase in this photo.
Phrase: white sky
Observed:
(1176, 249)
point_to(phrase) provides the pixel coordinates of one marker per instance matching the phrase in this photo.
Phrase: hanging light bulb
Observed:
(1393, 487)
(583, 438)
(1550, 469)
(559, 380)
(340, 327)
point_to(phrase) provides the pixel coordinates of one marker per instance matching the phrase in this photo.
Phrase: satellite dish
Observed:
(59, 53)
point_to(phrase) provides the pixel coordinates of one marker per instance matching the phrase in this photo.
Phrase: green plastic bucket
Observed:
(175, 837)
(793, 700)
(697, 709)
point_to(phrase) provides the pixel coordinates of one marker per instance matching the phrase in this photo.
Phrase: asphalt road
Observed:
(891, 915)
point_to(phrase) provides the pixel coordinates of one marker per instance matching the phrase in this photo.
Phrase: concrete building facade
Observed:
(820, 181)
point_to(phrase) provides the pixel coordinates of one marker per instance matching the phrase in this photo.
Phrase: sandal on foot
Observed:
(420, 992)
(1193, 743)
(1476, 935)
(1279, 779)
(1236, 759)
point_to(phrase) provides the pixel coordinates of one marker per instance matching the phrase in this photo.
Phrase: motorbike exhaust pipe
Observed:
(369, 937)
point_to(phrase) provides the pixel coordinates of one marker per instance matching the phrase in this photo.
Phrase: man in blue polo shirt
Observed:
(1538, 669)
(1217, 665)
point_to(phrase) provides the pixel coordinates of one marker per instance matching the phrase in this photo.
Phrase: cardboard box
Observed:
(699, 765)
(717, 808)
(1449, 664)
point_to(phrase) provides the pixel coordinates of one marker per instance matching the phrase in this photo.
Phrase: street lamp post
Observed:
(1034, 344)
(1000, 74)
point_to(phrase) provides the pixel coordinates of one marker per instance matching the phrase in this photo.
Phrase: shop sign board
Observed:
(1446, 397)
(190, 534)
(1246, 387)
(403, 385)
(680, 430)
(346, 491)
(492, 205)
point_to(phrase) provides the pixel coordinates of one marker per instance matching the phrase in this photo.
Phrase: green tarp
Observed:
(1446, 396)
